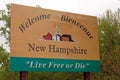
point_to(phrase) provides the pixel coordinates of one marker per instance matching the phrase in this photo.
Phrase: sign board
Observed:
(48, 40)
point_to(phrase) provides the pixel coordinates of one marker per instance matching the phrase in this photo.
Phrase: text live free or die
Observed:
(53, 65)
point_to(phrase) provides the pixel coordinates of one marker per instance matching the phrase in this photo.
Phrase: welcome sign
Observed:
(47, 40)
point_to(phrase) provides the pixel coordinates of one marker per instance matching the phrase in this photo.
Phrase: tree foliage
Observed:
(109, 37)
(4, 66)
(109, 31)
(5, 18)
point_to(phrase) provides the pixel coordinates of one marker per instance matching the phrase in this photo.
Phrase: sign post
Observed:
(55, 41)
(23, 75)
(86, 75)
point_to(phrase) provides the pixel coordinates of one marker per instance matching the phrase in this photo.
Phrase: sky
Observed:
(86, 7)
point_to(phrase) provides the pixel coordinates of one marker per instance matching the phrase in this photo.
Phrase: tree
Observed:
(4, 63)
(3, 60)
(109, 31)
(4, 55)
(109, 37)
(5, 17)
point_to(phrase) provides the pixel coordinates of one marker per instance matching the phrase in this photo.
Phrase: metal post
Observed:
(23, 75)
(86, 75)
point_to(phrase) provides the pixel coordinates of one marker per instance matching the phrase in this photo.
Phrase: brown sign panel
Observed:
(43, 33)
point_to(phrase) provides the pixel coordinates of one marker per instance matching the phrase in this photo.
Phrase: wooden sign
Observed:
(47, 40)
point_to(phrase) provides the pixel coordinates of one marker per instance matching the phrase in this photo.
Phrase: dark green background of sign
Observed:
(21, 64)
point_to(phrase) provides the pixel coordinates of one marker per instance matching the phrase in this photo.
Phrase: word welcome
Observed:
(31, 21)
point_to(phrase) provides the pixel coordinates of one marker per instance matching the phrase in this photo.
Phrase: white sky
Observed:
(87, 7)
